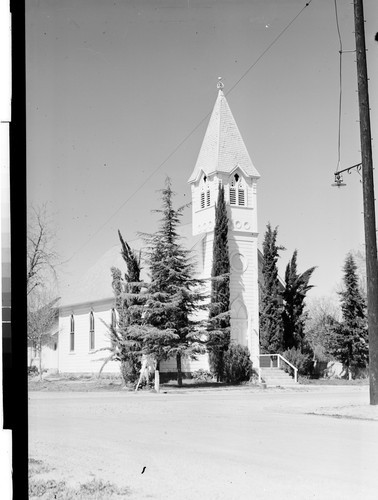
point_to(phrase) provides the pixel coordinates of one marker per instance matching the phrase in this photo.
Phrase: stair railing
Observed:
(277, 360)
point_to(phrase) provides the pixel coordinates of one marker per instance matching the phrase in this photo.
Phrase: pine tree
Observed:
(173, 294)
(219, 319)
(271, 336)
(349, 339)
(294, 294)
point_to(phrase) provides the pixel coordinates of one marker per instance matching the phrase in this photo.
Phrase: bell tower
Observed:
(224, 159)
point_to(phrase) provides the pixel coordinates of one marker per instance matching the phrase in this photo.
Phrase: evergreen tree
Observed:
(173, 294)
(219, 319)
(128, 300)
(294, 294)
(348, 341)
(271, 336)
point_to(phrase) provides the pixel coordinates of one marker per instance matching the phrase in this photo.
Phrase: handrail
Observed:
(285, 361)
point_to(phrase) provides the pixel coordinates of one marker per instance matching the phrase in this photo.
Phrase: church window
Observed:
(241, 197)
(113, 318)
(202, 200)
(205, 196)
(113, 324)
(232, 196)
(91, 331)
(72, 333)
(237, 191)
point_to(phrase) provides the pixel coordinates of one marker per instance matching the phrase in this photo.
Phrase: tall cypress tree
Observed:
(349, 339)
(173, 294)
(294, 294)
(219, 319)
(124, 348)
(271, 334)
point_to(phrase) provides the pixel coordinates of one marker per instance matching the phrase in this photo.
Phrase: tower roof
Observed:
(223, 148)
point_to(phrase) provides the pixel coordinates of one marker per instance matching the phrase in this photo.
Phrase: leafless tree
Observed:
(42, 322)
(322, 313)
(41, 254)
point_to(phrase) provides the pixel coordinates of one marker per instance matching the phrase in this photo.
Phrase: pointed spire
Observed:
(220, 84)
(223, 148)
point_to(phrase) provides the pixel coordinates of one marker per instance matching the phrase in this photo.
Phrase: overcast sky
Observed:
(116, 88)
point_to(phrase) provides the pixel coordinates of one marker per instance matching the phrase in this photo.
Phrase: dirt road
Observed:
(210, 445)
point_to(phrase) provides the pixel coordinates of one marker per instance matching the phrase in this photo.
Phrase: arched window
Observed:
(113, 322)
(72, 333)
(237, 191)
(205, 193)
(113, 318)
(91, 331)
(239, 322)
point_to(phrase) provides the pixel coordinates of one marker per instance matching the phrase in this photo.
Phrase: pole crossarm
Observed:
(339, 177)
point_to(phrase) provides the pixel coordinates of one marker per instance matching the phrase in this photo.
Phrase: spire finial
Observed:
(220, 84)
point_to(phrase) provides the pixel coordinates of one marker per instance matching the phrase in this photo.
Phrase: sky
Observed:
(119, 94)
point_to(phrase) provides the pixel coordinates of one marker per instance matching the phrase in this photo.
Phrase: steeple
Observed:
(223, 148)
(224, 159)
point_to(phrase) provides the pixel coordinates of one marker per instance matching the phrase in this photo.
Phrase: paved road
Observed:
(209, 445)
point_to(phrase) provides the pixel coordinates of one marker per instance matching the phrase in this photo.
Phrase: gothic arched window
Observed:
(113, 322)
(205, 192)
(237, 191)
(91, 331)
(72, 333)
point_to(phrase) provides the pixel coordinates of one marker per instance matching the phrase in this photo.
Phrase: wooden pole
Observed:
(368, 200)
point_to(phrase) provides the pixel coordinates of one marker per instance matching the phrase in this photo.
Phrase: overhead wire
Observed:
(187, 136)
(340, 87)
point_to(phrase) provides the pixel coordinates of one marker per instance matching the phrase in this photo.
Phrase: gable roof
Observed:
(96, 284)
(223, 147)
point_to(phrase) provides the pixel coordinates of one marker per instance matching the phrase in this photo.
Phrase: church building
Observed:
(88, 309)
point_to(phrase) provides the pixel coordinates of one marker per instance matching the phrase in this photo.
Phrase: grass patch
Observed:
(37, 467)
(58, 490)
(332, 381)
(50, 489)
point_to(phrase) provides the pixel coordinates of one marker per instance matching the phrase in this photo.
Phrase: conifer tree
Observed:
(173, 294)
(219, 319)
(128, 300)
(294, 294)
(271, 335)
(349, 339)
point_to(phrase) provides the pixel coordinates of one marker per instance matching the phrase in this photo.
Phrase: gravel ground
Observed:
(211, 444)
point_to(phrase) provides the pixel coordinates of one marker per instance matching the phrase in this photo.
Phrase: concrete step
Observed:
(277, 377)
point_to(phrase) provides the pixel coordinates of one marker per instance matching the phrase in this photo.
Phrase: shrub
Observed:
(32, 370)
(237, 364)
(300, 360)
(202, 376)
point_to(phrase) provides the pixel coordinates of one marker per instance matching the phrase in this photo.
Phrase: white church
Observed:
(87, 308)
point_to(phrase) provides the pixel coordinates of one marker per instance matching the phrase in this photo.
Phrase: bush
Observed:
(202, 376)
(32, 370)
(237, 364)
(300, 360)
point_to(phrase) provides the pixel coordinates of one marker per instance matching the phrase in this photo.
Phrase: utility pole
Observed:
(368, 200)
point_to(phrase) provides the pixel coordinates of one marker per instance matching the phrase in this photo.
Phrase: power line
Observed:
(187, 136)
(269, 46)
(340, 86)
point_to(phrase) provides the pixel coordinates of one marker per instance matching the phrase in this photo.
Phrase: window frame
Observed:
(91, 331)
(237, 191)
(72, 333)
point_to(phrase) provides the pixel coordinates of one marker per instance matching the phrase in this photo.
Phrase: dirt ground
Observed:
(227, 443)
